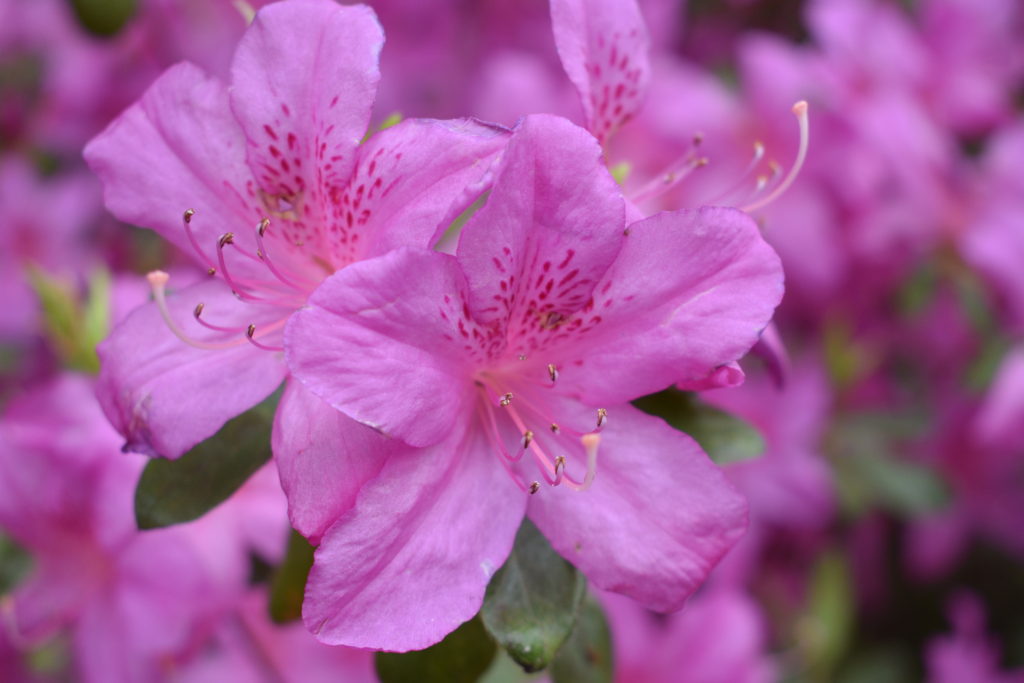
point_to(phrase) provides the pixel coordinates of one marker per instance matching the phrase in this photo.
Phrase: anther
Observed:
(198, 311)
(522, 356)
(602, 417)
(211, 271)
(264, 224)
(534, 487)
(554, 428)
(559, 466)
(527, 439)
(188, 215)
(225, 239)
(505, 400)
(250, 331)
(553, 372)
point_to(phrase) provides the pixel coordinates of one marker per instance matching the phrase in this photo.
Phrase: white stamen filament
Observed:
(800, 111)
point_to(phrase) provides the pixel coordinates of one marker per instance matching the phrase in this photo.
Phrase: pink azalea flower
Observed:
(132, 603)
(283, 195)
(719, 638)
(495, 372)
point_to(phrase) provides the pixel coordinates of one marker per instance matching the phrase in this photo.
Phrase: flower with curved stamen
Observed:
(506, 371)
(279, 194)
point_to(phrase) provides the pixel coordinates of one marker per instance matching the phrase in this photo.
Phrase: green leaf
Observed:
(74, 327)
(462, 657)
(825, 629)
(103, 17)
(587, 654)
(175, 491)
(531, 603)
(288, 586)
(15, 564)
(724, 437)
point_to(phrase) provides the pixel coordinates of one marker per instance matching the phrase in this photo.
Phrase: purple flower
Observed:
(279, 193)
(501, 371)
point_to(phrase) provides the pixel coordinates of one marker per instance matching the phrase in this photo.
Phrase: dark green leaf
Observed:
(462, 657)
(103, 17)
(531, 602)
(724, 437)
(14, 564)
(587, 654)
(175, 491)
(289, 583)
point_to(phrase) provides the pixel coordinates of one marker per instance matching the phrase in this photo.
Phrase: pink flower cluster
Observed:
(521, 266)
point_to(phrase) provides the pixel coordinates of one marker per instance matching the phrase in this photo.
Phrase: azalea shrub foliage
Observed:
(513, 340)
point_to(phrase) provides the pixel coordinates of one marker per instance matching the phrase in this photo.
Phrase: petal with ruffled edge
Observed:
(603, 45)
(690, 291)
(303, 84)
(410, 181)
(177, 148)
(550, 229)
(407, 564)
(389, 342)
(163, 395)
(323, 458)
(658, 517)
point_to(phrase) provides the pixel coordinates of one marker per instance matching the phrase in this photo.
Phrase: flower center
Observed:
(514, 409)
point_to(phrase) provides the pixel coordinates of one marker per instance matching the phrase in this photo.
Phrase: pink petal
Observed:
(550, 229)
(378, 342)
(304, 79)
(412, 179)
(177, 148)
(408, 564)
(165, 396)
(603, 45)
(657, 519)
(690, 291)
(323, 458)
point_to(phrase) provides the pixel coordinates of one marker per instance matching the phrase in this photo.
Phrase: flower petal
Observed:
(657, 519)
(691, 291)
(382, 341)
(323, 459)
(407, 565)
(411, 180)
(550, 229)
(603, 45)
(303, 83)
(178, 147)
(165, 396)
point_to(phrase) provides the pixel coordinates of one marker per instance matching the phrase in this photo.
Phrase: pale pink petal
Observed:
(388, 341)
(323, 458)
(551, 227)
(657, 519)
(409, 564)
(603, 45)
(164, 395)
(304, 79)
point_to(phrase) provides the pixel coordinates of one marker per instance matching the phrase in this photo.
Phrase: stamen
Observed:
(522, 356)
(669, 179)
(758, 155)
(527, 439)
(158, 282)
(250, 331)
(187, 221)
(590, 443)
(602, 417)
(264, 256)
(552, 372)
(534, 487)
(559, 469)
(554, 428)
(198, 311)
(800, 111)
(505, 400)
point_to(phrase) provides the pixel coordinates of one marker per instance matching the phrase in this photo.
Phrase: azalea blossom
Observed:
(500, 373)
(266, 185)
